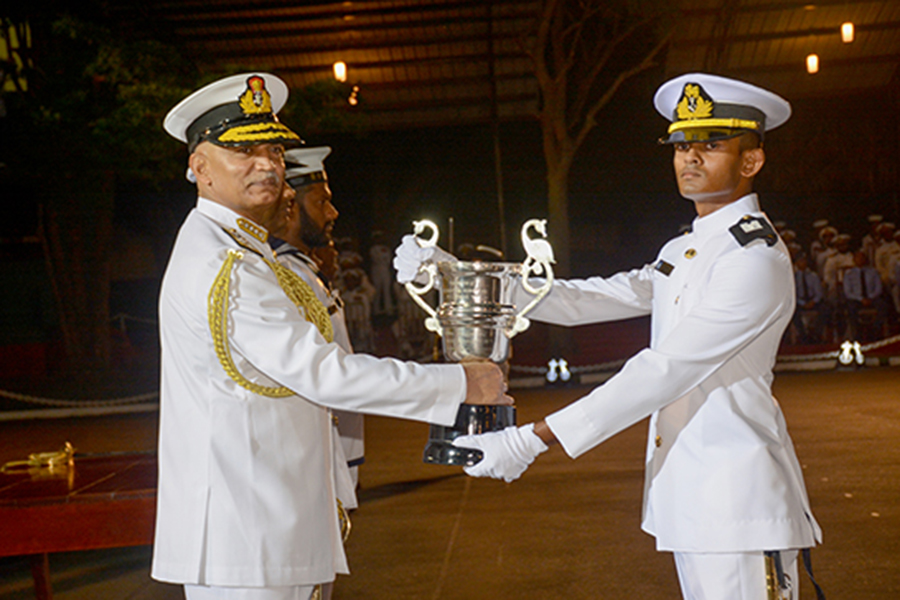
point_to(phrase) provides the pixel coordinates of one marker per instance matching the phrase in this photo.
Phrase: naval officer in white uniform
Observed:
(723, 488)
(247, 506)
(310, 222)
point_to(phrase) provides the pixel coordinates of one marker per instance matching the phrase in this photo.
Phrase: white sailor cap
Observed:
(239, 110)
(304, 166)
(842, 237)
(827, 231)
(704, 107)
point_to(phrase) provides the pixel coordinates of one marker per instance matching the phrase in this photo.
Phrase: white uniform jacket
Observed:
(350, 425)
(721, 473)
(246, 481)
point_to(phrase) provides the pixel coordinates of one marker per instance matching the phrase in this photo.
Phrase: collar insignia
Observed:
(695, 103)
(253, 229)
(256, 99)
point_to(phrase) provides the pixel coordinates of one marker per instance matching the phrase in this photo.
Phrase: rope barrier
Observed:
(542, 371)
(78, 403)
(120, 318)
(847, 348)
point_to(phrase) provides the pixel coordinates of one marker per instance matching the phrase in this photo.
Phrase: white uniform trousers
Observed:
(736, 576)
(291, 592)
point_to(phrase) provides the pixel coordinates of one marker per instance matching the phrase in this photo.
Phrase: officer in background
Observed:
(247, 505)
(812, 312)
(863, 290)
(307, 236)
(723, 491)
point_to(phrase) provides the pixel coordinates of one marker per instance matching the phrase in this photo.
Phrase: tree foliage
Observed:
(583, 51)
(88, 120)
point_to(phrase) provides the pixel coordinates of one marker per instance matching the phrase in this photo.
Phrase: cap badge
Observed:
(256, 99)
(695, 103)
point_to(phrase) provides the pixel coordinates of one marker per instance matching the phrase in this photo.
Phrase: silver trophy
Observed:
(476, 320)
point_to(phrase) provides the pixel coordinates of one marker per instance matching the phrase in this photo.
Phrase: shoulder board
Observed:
(753, 228)
(242, 241)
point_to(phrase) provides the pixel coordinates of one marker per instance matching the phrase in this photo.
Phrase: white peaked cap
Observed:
(236, 110)
(703, 102)
(305, 165)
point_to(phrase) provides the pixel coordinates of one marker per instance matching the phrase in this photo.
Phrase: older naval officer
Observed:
(723, 488)
(247, 507)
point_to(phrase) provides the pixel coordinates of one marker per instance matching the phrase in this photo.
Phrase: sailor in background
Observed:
(307, 236)
(724, 490)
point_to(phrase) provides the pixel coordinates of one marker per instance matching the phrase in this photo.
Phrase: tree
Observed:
(86, 123)
(582, 52)
(323, 107)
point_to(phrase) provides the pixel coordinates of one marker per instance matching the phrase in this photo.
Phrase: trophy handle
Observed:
(538, 260)
(416, 291)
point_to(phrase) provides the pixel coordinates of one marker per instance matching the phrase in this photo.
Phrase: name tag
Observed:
(664, 267)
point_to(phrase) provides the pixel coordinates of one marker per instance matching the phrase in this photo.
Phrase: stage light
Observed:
(812, 64)
(847, 32)
(340, 71)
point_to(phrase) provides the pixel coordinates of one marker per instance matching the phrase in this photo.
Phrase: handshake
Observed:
(507, 453)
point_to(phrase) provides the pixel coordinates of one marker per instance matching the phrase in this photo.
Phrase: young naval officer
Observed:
(246, 506)
(723, 488)
(310, 222)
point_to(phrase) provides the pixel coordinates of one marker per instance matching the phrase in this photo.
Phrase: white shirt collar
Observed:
(726, 216)
(249, 232)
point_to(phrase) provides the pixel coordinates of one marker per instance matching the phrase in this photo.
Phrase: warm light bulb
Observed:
(812, 63)
(340, 71)
(847, 32)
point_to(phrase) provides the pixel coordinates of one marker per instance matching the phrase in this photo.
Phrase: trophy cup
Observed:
(476, 320)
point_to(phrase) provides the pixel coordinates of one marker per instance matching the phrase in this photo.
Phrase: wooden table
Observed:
(102, 501)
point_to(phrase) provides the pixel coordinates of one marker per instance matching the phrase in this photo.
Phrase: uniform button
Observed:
(658, 441)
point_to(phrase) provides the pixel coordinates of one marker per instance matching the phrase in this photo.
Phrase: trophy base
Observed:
(445, 453)
(470, 419)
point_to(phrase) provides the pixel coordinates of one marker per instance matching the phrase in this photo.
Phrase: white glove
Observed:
(507, 453)
(409, 256)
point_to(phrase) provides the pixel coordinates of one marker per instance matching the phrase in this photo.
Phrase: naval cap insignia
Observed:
(695, 103)
(256, 99)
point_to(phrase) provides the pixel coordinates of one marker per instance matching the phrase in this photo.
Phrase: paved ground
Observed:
(567, 529)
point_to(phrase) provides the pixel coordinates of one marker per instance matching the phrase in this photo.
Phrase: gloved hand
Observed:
(409, 256)
(507, 453)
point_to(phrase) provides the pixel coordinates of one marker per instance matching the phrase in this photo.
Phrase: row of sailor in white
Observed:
(721, 472)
